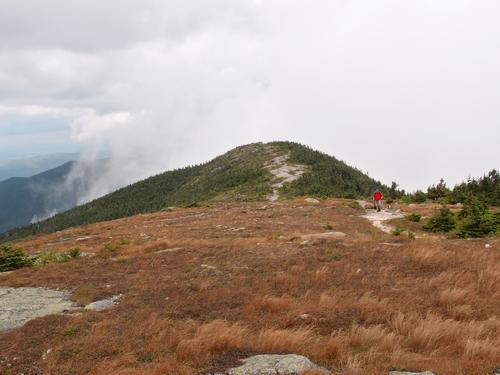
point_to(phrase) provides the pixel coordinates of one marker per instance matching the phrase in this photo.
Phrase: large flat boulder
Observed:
(276, 364)
(19, 305)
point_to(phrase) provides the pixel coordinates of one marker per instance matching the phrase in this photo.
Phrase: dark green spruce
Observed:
(238, 175)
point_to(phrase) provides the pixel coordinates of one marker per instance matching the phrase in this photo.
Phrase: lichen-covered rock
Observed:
(311, 200)
(19, 305)
(276, 364)
(103, 304)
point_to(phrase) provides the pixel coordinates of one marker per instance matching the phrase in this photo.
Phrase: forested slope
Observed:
(239, 175)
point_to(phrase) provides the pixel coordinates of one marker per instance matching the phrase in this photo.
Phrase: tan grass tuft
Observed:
(212, 337)
(273, 304)
(298, 340)
(481, 348)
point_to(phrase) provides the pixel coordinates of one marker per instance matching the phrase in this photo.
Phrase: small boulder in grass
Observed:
(277, 364)
(311, 200)
(103, 304)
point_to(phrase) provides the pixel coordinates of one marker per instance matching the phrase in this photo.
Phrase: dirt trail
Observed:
(378, 218)
(283, 172)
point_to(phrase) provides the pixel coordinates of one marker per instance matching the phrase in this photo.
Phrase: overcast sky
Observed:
(406, 90)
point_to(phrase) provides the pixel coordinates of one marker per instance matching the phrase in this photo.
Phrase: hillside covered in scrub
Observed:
(193, 291)
(242, 174)
(485, 189)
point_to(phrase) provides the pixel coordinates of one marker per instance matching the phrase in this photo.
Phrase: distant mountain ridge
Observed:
(31, 166)
(29, 199)
(238, 175)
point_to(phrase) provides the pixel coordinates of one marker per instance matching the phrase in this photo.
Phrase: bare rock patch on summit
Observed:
(283, 172)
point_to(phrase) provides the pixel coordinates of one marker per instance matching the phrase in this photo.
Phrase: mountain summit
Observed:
(258, 171)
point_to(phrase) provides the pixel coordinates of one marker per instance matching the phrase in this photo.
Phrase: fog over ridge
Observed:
(405, 90)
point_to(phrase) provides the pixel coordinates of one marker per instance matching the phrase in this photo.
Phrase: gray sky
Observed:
(406, 90)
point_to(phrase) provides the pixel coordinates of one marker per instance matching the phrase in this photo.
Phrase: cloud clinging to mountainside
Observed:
(405, 90)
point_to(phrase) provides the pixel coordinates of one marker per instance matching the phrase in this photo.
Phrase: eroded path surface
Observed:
(379, 219)
(19, 305)
(283, 172)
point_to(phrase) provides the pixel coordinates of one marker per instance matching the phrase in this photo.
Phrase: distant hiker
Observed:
(377, 200)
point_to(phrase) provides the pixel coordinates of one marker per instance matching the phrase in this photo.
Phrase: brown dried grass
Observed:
(428, 304)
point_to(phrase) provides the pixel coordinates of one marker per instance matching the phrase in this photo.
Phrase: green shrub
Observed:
(12, 258)
(414, 217)
(417, 197)
(442, 221)
(111, 249)
(397, 231)
(327, 226)
(74, 252)
(124, 241)
(71, 331)
(51, 256)
(122, 259)
(475, 220)
(438, 192)
(411, 235)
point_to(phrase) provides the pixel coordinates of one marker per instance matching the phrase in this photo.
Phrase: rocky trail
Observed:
(378, 219)
(283, 172)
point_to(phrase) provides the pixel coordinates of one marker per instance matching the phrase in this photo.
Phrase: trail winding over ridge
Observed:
(283, 172)
(378, 218)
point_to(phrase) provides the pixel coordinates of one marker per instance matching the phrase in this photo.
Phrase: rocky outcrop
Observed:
(276, 364)
(283, 172)
(19, 305)
(103, 304)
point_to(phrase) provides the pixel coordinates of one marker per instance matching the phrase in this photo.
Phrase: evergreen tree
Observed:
(442, 221)
(474, 219)
(438, 192)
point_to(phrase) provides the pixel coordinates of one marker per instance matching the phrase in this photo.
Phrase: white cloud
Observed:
(406, 90)
(92, 127)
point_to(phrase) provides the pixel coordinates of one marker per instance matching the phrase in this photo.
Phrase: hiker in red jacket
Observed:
(377, 200)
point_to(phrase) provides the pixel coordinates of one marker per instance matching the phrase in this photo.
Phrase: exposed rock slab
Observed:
(103, 304)
(283, 172)
(276, 364)
(19, 305)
